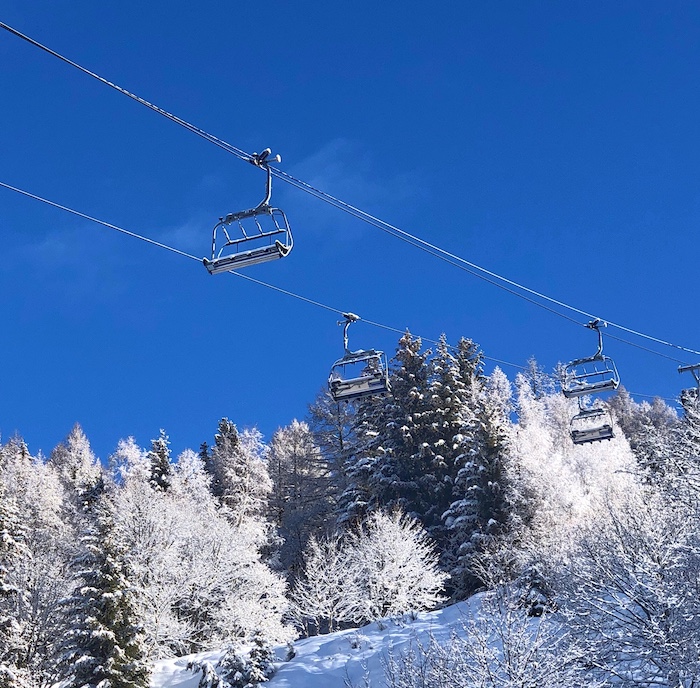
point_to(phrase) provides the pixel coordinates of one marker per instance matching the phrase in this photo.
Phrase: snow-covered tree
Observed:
(247, 669)
(77, 468)
(104, 642)
(450, 430)
(652, 431)
(159, 461)
(332, 423)
(300, 502)
(386, 568)
(628, 588)
(190, 479)
(553, 489)
(480, 510)
(13, 647)
(396, 567)
(239, 474)
(129, 462)
(199, 579)
(388, 459)
(37, 573)
(322, 597)
(498, 646)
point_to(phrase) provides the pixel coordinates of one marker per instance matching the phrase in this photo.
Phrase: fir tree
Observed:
(401, 458)
(104, 641)
(481, 509)
(13, 648)
(239, 475)
(450, 428)
(159, 460)
(364, 455)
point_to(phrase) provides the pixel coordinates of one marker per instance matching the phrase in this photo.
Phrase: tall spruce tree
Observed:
(480, 509)
(13, 647)
(240, 478)
(388, 458)
(159, 460)
(103, 643)
(450, 429)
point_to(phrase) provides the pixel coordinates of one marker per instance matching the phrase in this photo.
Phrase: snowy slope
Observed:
(333, 660)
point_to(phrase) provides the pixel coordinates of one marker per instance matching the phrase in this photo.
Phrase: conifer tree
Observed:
(13, 673)
(103, 643)
(363, 457)
(402, 458)
(239, 475)
(481, 509)
(159, 461)
(450, 430)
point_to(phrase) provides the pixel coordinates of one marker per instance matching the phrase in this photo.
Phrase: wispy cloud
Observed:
(354, 174)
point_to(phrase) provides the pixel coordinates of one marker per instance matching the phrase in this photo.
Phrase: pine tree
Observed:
(239, 475)
(13, 647)
(104, 641)
(159, 460)
(481, 508)
(35, 575)
(451, 423)
(401, 459)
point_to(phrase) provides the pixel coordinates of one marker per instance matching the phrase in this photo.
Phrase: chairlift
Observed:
(591, 425)
(265, 234)
(359, 373)
(591, 375)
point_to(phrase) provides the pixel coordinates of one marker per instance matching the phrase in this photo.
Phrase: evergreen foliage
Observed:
(160, 463)
(104, 643)
(240, 479)
(241, 669)
(13, 647)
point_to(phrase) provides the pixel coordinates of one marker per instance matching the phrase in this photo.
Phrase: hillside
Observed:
(338, 659)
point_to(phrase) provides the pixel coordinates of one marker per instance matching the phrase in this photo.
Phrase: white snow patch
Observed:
(338, 659)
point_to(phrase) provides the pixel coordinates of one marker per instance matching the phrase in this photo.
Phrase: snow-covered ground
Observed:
(338, 659)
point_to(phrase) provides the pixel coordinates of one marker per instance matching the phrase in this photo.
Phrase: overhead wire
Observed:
(248, 278)
(474, 269)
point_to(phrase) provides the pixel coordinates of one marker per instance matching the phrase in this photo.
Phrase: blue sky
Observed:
(555, 143)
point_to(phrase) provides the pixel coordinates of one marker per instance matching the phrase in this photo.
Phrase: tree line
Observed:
(456, 482)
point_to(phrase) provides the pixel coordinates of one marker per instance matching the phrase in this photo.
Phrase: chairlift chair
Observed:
(591, 425)
(593, 374)
(265, 234)
(359, 373)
